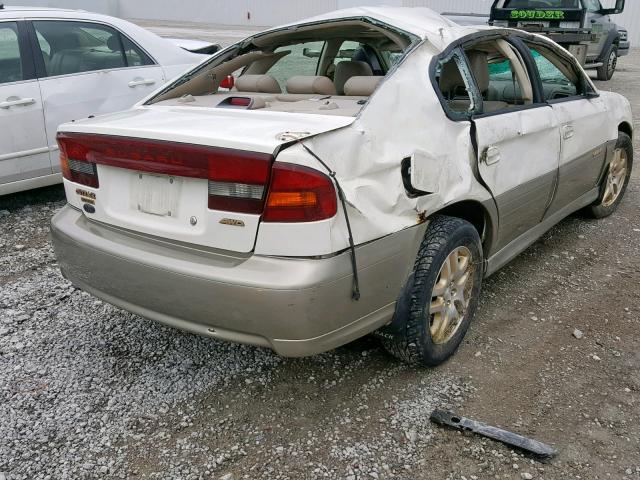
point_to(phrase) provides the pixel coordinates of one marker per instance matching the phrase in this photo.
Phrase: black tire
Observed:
(598, 209)
(610, 62)
(409, 336)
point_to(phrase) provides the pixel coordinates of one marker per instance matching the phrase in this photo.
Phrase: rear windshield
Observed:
(542, 4)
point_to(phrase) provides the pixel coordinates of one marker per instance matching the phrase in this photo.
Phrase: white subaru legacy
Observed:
(361, 171)
(62, 65)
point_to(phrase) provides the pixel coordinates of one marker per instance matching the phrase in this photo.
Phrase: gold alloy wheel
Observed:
(615, 178)
(451, 295)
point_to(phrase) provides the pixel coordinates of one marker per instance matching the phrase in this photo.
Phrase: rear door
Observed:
(581, 122)
(24, 152)
(518, 144)
(88, 69)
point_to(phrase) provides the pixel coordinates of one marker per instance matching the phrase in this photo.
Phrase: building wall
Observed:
(274, 12)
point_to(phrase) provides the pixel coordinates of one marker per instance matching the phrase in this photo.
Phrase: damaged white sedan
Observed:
(358, 172)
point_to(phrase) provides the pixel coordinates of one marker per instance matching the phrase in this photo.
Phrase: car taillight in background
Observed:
(299, 194)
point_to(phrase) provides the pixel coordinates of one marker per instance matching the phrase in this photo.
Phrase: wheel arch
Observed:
(625, 127)
(477, 214)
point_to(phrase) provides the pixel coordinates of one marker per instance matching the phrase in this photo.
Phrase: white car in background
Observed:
(58, 66)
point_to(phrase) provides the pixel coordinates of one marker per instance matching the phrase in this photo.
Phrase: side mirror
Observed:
(307, 52)
(619, 8)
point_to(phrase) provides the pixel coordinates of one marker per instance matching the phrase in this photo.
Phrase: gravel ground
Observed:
(90, 391)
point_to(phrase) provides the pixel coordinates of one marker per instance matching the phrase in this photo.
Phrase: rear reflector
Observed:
(237, 179)
(299, 194)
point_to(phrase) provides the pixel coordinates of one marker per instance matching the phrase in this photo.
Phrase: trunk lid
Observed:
(137, 192)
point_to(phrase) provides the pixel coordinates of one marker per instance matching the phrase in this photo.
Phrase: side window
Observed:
(75, 47)
(391, 57)
(503, 85)
(10, 63)
(302, 59)
(135, 55)
(456, 86)
(592, 5)
(44, 45)
(351, 50)
(559, 79)
(347, 51)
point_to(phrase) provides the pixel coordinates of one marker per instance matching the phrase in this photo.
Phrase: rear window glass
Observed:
(542, 4)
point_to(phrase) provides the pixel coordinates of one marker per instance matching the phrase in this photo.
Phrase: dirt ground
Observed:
(357, 413)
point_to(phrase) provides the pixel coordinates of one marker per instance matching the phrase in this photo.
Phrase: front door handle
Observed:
(491, 155)
(17, 102)
(143, 81)
(567, 132)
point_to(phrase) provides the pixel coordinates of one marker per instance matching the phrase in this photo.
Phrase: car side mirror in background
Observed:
(619, 8)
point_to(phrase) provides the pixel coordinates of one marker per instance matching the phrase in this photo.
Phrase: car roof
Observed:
(419, 21)
(12, 8)
(45, 12)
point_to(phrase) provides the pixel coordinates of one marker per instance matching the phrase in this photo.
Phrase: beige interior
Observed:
(480, 56)
(301, 103)
(339, 88)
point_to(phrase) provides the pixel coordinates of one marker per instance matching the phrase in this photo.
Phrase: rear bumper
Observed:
(297, 307)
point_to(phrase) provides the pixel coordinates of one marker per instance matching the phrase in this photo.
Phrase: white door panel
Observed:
(583, 150)
(518, 160)
(72, 97)
(23, 144)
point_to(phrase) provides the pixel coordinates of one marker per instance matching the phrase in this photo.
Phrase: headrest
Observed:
(113, 43)
(315, 85)
(450, 77)
(480, 67)
(258, 84)
(347, 69)
(361, 86)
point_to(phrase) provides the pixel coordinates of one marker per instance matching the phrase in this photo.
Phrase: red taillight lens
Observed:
(299, 194)
(74, 164)
(237, 179)
(239, 186)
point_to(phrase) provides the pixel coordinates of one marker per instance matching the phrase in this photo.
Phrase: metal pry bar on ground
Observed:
(540, 449)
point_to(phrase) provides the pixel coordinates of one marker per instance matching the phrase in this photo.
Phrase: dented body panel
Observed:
(400, 153)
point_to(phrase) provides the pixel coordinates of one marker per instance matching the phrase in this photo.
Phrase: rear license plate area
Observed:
(156, 194)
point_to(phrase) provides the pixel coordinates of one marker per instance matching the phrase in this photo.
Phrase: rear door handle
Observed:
(567, 132)
(17, 103)
(491, 155)
(144, 81)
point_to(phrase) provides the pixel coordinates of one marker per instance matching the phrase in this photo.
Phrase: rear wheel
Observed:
(608, 68)
(615, 180)
(441, 296)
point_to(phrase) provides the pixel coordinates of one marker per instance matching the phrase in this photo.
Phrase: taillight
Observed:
(299, 194)
(74, 164)
(239, 185)
(237, 179)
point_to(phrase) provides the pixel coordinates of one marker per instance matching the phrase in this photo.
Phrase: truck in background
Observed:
(584, 27)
